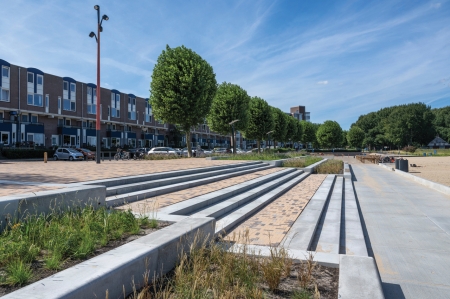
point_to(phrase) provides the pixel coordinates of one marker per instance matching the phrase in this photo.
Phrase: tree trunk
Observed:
(188, 143)
(258, 143)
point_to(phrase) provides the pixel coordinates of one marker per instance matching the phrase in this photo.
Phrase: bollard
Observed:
(45, 157)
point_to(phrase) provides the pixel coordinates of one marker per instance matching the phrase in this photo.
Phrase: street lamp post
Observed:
(268, 136)
(233, 139)
(97, 38)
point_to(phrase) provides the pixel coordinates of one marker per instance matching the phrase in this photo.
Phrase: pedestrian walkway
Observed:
(408, 228)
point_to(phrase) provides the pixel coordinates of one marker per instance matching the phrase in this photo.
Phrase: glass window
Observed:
(66, 86)
(72, 106)
(72, 87)
(24, 118)
(34, 119)
(37, 100)
(5, 71)
(67, 122)
(4, 96)
(60, 121)
(30, 78)
(5, 137)
(40, 79)
(66, 104)
(1, 115)
(30, 99)
(84, 124)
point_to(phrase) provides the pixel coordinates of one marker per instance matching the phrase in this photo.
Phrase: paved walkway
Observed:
(153, 204)
(35, 176)
(409, 232)
(271, 224)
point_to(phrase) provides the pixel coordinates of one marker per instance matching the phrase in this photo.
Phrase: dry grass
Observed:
(331, 167)
(301, 162)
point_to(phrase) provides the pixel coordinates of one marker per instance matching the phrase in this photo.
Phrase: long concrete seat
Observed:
(122, 199)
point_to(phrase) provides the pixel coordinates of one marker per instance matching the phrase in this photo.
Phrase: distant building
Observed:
(299, 112)
(438, 142)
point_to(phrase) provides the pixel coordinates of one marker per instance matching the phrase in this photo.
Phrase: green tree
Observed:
(280, 125)
(260, 120)
(230, 103)
(329, 134)
(344, 141)
(309, 133)
(355, 136)
(299, 136)
(442, 122)
(182, 89)
(291, 133)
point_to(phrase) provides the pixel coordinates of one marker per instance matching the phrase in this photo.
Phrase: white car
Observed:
(162, 151)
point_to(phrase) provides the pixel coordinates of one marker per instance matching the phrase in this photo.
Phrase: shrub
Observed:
(330, 167)
(409, 149)
(27, 153)
(161, 157)
(301, 162)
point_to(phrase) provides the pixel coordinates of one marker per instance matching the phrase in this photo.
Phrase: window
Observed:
(67, 122)
(4, 95)
(72, 87)
(1, 115)
(55, 140)
(40, 79)
(132, 108)
(148, 112)
(69, 98)
(60, 122)
(83, 124)
(4, 137)
(34, 118)
(30, 78)
(24, 118)
(91, 140)
(115, 105)
(91, 100)
(5, 71)
(34, 99)
(65, 85)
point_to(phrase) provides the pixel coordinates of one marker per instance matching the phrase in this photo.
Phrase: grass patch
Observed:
(265, 156)
(301, 162)
(330, 167)
(210, 271)
(162, 157)
(54, 238)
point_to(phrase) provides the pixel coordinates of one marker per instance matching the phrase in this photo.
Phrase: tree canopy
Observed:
(182, 88)
(329, 134)
(230, 103)
(260, 120)
(355, 137)
(280, 124)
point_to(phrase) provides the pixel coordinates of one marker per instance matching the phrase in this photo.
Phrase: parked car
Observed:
(88, 154)
(67, 154)
(195, 151)
(162, 150)
(221, 150)
(140, 150)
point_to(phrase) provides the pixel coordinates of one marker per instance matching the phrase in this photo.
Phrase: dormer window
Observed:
(91, 100)
(4, 86)
(35, 87)
(131, 108)
(115, 104)
(69, 94)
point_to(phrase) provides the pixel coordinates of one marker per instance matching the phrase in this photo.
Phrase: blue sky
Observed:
(340, 59)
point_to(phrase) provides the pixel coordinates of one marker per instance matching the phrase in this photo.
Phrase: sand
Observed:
(436, 169)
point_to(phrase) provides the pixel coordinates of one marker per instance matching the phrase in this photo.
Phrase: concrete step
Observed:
(218, 210)
(192, 205)
(328, 232)
(128, 188)
(122, 199)
(161, 175)
(235, 217)
(353, 243)
(302, 231)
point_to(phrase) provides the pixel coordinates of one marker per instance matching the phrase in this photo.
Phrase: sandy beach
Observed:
(436, 169)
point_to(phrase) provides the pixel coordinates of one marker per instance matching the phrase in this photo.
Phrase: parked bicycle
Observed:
(121, 154)
(138, 155)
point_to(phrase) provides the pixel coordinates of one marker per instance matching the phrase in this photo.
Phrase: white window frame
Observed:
(8, 69)
(31, 118)
(1, 134)
(91, 100)
(39, 77)
(132, 108)
(33, 97)
(28, 77)
(57, 140)
(4, 90)
(115, 105)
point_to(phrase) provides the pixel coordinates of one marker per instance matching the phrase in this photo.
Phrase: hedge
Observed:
(27, 153)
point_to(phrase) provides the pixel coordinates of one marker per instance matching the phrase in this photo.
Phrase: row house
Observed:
(43, 109)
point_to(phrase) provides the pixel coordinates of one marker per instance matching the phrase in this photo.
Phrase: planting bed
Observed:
(38, 248)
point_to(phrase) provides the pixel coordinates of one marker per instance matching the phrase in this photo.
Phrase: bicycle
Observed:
(138, 155)
(121, 154)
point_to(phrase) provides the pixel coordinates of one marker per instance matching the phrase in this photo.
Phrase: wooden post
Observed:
(45, 157)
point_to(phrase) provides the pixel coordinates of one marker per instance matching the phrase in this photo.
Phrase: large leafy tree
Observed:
(260, 120)
(230, 103)
(329, 134)
(309, 133)
(182, 89)
(280, 124)
(292, 128)
(299, 136)
(355, 136)
(442, 122)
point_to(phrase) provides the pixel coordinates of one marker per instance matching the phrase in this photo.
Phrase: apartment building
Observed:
(299, 112)
(47, 110)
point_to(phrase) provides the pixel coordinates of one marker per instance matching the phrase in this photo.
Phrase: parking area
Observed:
(32, 176)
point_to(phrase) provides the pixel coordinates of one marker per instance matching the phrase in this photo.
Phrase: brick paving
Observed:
(65, 172)
(270, 225)
(153, 204)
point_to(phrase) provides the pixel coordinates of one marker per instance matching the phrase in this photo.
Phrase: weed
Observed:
(19, 273)
(302, 294)
(305, 272)
(53, 262)
(301, 162)
(331, 167)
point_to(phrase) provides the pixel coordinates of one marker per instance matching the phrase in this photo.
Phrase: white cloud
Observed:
(323, 82)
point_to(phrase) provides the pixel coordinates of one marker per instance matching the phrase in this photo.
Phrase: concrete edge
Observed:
(115, 270)
(436, 186)
(20, 205)
(385, 166)
(359, 278)
(311, 168)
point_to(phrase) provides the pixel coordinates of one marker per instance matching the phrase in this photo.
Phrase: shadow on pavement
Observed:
(392, 291)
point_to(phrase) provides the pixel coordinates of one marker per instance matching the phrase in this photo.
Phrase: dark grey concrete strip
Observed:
(408, 229)
(115, 270)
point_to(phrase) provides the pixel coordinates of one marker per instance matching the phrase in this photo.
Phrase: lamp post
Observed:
(97, 38)
(268, 137)
(233, 140)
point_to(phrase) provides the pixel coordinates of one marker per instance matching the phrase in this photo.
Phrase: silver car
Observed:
(67, 154)
(162, 150)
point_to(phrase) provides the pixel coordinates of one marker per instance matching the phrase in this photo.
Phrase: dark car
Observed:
(88, 154)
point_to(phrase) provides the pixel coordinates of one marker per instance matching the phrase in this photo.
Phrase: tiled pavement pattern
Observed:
(270, 225)
(153, 204)
(11, 189)
(64, 172)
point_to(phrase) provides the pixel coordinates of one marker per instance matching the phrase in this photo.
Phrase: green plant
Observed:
(19, 273)
(302, 294)
(301, 162)
(53, 262)
(330, 167)
(274, 267)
